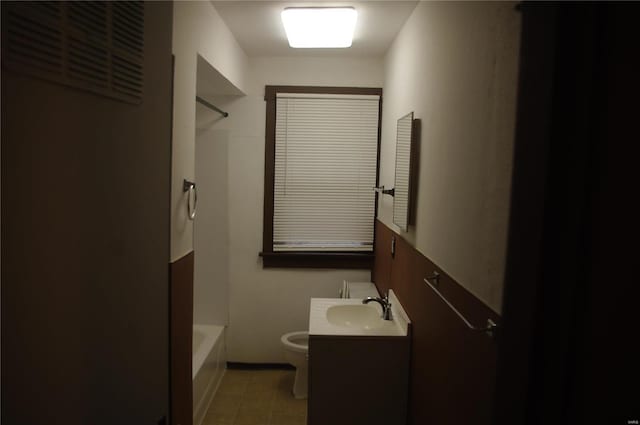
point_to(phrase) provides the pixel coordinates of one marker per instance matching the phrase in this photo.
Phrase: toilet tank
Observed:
(361, 290)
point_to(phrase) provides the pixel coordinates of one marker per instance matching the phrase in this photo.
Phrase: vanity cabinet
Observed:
(358, 380)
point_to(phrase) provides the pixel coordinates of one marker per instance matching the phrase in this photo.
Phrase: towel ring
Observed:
(190, 187)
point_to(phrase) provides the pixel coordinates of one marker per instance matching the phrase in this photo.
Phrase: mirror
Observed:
(405, 170)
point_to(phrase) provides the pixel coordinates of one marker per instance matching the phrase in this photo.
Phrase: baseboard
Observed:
(259, 366)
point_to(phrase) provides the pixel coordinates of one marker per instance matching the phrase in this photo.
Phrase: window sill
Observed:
(318, 260)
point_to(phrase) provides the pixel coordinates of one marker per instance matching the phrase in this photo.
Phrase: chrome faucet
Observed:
(384, 303)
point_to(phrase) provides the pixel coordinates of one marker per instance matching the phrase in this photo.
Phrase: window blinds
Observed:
(325, 170)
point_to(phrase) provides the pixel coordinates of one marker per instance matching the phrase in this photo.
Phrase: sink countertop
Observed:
(319, 325)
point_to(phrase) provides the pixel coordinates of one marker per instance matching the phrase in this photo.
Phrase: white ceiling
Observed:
(259, 31)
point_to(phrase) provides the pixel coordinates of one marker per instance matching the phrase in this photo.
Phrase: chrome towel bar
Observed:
(491, 327)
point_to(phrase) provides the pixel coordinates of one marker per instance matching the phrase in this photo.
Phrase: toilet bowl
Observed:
(296, 352)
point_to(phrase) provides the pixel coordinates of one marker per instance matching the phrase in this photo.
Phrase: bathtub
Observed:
(209, 361)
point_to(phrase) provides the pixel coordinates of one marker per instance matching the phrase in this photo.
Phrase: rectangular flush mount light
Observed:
(319, 27)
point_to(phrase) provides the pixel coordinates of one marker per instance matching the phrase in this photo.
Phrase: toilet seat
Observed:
(296, 341)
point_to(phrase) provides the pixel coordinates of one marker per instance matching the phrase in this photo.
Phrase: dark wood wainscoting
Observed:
(181, 340)
(381, 273)
(452, 375)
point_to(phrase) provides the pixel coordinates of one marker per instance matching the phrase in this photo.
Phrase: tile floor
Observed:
(256, 397)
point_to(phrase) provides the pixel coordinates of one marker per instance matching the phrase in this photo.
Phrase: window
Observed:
(321, 164)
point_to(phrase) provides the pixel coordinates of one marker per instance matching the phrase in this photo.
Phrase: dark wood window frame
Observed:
(307, 259)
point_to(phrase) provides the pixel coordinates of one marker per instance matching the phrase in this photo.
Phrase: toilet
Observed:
(296, 352)
(296, 344)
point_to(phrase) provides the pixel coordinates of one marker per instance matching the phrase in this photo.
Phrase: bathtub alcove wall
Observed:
(211, 242)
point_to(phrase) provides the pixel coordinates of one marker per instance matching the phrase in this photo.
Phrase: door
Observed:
(85, 212)
(568, 345)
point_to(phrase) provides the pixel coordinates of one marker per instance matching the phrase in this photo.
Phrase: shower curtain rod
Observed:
(210, 106)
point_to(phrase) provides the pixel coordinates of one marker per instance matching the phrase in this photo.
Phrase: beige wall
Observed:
(211, 229)
(263, 304)
(197, 30)
(266, 303)
(455, 66)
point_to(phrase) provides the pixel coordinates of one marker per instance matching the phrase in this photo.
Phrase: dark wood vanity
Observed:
(358, 380)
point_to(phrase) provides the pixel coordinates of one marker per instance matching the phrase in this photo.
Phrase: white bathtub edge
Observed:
(209, 366)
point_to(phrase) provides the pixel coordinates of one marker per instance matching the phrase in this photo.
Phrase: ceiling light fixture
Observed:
(319, 27)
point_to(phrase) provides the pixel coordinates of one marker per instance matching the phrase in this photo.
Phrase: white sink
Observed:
(363, 316)
(348, 316)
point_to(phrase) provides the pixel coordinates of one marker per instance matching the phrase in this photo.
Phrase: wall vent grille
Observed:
(91, 45)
